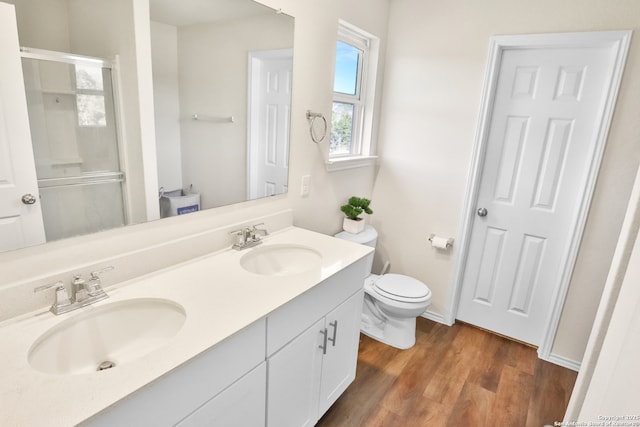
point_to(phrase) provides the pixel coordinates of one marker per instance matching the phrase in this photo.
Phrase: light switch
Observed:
(305, 186)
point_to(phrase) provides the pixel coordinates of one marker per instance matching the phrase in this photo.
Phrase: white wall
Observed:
(612, 389)
(42, 23)
(624, 268)
(434, 71)
(166, 103)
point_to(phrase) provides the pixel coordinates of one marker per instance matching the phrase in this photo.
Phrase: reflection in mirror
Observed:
(75, 145)
(222, 94)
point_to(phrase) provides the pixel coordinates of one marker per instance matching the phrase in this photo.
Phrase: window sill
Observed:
(342, 163)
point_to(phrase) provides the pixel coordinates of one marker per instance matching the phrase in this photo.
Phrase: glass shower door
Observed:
(74, 135)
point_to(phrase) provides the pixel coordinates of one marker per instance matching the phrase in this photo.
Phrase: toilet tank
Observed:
(368, 236)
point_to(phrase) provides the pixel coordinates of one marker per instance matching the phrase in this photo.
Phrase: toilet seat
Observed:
(403, 288)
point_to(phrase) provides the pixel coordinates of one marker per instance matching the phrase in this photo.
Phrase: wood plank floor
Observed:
(454, 376)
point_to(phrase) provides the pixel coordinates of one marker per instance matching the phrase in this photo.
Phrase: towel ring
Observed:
(311, 116)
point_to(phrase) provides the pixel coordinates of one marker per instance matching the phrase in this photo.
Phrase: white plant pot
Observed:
(353, 226)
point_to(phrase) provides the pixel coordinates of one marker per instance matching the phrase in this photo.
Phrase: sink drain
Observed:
(107, 364)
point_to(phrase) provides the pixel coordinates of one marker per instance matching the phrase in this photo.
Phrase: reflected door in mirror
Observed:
(269, 113)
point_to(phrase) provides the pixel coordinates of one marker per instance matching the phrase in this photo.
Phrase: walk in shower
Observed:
(72, 116)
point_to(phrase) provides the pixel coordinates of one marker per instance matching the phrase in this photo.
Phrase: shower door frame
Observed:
(113, 65)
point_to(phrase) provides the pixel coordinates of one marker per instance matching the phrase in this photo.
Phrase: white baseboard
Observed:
(562, 361)
(436, 317)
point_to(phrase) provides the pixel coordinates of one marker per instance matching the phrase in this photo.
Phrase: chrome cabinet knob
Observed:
(482, 212)
(28, 199)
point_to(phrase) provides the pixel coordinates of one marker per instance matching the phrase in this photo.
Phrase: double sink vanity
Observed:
(267, 335)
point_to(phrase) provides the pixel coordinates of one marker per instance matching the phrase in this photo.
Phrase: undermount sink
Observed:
(281, 260)
(107, 336)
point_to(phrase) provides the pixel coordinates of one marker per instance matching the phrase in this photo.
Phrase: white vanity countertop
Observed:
(220, 298)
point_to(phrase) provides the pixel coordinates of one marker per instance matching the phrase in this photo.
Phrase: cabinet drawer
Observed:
(178, 393)
(287, 322)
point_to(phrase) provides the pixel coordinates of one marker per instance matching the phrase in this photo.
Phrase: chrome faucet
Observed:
(255, 231)
(83, 292)
(249, 236)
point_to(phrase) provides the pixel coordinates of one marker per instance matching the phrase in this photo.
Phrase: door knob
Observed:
(28, 199)
(482, 212)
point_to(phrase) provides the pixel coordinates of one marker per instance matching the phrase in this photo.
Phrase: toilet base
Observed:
(398, 333)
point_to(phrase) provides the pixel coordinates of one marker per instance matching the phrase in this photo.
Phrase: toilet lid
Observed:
(396, 286)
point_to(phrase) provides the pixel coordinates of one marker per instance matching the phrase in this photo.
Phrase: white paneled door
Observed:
(548, 106)
(20, 213)
(270, 113)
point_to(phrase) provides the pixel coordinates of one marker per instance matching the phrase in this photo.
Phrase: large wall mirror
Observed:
(221, 72)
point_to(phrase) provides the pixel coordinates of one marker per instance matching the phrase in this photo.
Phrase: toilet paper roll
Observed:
(439, 242)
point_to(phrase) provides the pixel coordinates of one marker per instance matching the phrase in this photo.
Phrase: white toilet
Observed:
(391, 301)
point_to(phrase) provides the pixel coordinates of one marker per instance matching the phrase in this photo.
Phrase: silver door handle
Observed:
(28, 199)
(482, 212)
(335, 331)
(324, 345)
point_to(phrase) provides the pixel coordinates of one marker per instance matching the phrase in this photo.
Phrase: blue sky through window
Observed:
(346, 74)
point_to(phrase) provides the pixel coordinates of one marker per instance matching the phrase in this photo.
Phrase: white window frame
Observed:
(361, 153)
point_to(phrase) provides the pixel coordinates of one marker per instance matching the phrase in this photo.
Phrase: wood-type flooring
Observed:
(454, 376)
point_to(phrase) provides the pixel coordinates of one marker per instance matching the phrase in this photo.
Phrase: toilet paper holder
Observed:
(436, 242)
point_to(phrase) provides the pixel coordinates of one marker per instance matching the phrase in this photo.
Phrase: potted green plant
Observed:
(353, 223)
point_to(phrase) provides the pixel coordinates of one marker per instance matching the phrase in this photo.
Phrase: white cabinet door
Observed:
(240, 405)
(309, 374)
(294, 379)
(290, 320)
(339, 364)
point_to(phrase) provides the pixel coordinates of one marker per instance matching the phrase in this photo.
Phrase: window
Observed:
(90, 96)
(350, 128)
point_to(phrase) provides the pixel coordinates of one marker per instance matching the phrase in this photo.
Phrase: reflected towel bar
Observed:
(214, 119)
(79, 180)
